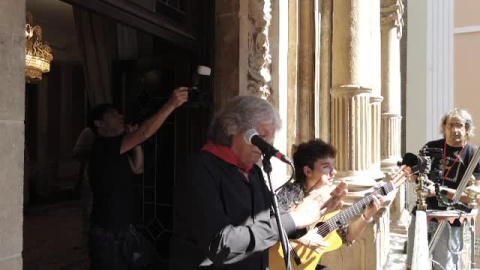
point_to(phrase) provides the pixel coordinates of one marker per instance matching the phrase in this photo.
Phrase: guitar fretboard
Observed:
(342, 218)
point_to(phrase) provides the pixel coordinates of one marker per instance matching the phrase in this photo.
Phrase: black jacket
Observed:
(221, 219)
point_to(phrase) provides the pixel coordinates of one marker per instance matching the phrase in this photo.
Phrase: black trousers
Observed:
(106, 249)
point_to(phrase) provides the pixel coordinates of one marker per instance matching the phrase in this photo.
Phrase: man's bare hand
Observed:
(335, 202)
(373, 208)
(314, 241)
(308, 212)
(178, 97)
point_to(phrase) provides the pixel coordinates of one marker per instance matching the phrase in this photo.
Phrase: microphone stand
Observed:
(267, 168)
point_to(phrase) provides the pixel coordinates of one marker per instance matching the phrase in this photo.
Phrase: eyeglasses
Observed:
(455, 125)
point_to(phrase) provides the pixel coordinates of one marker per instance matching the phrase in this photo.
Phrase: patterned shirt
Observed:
(292, 194)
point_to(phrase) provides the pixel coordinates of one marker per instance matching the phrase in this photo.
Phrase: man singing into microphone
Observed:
(222, 216)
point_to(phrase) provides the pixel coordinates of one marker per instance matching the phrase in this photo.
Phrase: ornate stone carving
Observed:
(392, 16)
(259, 58)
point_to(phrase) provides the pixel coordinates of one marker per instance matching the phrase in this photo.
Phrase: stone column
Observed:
(353, 78)
(392, 11)
(228, 43)
(351, 90)
(306, 71)
(12, 112)
(392, 22)
(292, 74)
(326, 69)
(279, 48)
(376, 96)
(376, 103)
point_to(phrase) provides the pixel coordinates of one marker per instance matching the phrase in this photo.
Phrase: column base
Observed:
(378, 175)
(390, 164)
(357, 181)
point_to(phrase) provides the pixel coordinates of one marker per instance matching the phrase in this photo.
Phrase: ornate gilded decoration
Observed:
(38, 55)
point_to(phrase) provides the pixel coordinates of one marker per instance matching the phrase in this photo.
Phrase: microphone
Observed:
(252, 137)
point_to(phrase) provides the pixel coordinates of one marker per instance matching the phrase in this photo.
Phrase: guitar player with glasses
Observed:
(314, 163)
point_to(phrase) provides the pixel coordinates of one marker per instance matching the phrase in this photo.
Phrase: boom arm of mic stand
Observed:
(286, 246)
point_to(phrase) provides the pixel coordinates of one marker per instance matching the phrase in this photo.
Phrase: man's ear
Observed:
(307, 171)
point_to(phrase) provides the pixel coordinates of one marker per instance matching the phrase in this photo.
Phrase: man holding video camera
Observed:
(447, 171)
(115, 156)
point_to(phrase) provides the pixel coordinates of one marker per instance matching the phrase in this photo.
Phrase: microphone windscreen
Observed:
(410, 160)
(249, 134)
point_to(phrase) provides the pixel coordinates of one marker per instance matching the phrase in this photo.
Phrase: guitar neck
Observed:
(342, 218)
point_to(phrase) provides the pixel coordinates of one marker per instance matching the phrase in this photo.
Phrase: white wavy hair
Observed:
(239, 115)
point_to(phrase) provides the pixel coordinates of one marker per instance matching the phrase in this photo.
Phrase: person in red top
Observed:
(222, 208)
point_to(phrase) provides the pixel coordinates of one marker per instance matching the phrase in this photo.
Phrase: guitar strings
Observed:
(331, 224)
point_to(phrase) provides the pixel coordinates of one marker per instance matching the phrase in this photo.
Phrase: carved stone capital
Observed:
(376, 99)
(391, 116)
(350, 90)
(259, 58)
(392, 16)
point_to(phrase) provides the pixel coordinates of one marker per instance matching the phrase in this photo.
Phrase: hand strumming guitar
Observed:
(309, 210)
(336, 200)
(313, 240)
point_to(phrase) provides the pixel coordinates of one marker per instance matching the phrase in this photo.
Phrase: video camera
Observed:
(422, 163)
(194, 92)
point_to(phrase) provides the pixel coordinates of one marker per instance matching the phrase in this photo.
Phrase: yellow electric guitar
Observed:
(327, 227)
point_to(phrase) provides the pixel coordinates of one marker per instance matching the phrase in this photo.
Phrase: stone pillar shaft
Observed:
(12, 131)
(306, 71)
(376, 98)
(376, 104)
(227, 52)
(292, 74)
(355, 109)
(351, 89)
(391, 21)
(326, 69)
(351, 43)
